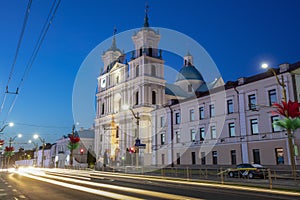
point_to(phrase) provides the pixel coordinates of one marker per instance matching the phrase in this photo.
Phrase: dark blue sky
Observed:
(239, 35)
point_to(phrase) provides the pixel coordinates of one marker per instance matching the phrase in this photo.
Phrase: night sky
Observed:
(238, 35)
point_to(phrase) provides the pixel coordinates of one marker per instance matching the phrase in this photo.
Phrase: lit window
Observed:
(201, 113)
(272, 97)
(274, 127)
(211, 110)
(193, 135)
(177, 118)
(162, 138)
(254, 126)
(252, 101)
(229, 106)
(202, 133)
(177, 135)
(231, 128)
(213, 132)
(192, 115)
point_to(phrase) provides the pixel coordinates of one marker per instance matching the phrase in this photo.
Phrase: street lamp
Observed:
(36, 150)
(11, 140)
(137, 117)
(289, 132)
(10, 124)
(36, 136)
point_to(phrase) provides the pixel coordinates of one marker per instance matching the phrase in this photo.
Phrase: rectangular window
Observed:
(193, 158)
(256, 156)
(231, 128)
(215, 157)
(178, 159)
(177, 135)
(162, 121)
(229, 106)
(193, 135)
(202, 133)
(201, 113)
(272, 97)
(177, 118)
(213, 132)
(274, 127)
(279, 156)
(233, 157)
(162, 138)
(211, 110)
(203, 160)
(252, 101)
(162, 159)
(192, 115)
(101, 138)
(254, 126)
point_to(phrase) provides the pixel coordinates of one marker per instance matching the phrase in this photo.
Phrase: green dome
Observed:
(189, 73)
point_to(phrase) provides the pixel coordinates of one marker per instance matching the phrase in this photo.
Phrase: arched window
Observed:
(141, 51)
(136, 98)
(153, 70)
(137, 71)
(153, 97)
(102, 109)
(117, 80)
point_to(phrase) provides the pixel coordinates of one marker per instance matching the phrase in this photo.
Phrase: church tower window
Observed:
(136, 98)
(153, 97)
(137, 71)
(150, 51)
(102, 109)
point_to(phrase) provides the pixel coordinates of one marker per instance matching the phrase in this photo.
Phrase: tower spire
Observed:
(146, 19)
(114, 45)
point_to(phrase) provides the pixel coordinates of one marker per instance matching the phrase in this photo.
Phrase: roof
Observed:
(175, 90)
(189, 73)
(87, 133)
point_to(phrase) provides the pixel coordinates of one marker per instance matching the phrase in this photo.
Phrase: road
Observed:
(71, 184)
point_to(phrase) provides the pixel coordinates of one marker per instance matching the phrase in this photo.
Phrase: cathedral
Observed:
(128, 91)
(141, 119)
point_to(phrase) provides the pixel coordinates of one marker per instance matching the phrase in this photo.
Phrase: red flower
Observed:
(9, 149)
(290, 109)
(74, 139)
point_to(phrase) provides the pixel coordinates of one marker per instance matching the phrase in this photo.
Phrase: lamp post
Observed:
(137, 117)
(289, 132)
(11, 140)
(10, 124)
(36, 150)
(43, 147)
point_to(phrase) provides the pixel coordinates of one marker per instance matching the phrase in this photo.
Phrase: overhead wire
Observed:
(16, 54)
(37, 46)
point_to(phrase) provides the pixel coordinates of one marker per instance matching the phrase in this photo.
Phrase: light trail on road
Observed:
(45, 177)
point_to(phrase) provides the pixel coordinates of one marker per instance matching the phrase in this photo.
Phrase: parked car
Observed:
(248, 170)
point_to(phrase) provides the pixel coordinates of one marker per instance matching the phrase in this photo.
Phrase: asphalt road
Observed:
(60, 187)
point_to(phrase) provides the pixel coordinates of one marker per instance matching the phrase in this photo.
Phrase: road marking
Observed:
(9, 186)
(3, 194)
(14, 190)
(22, 196)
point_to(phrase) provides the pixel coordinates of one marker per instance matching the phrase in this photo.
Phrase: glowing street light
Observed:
(289, 132)
(10, 124)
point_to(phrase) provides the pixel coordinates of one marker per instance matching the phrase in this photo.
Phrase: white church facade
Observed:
(188, 122)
